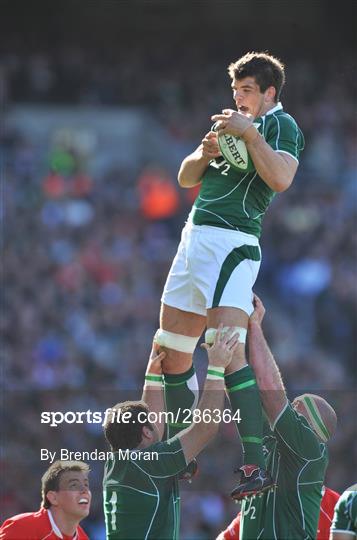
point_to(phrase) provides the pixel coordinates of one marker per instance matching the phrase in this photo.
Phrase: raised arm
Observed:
(153, 391)
(267, 373)
(195, 438)
(194, 165)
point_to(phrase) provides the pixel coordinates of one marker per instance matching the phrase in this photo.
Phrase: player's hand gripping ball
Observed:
(235, 152)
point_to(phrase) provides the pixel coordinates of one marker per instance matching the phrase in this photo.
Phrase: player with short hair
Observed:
(141, 494)
(218, 259)
(295, 451)
(66, 501)
(344, 524)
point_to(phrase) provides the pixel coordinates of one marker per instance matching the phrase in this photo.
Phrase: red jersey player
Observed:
(328, 501)
(65, 502)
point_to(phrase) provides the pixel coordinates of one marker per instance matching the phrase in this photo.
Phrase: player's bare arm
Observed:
(262, 361)
(276, 169)
(195, 438)
(153, 391)
(344, 535)
(194, 165)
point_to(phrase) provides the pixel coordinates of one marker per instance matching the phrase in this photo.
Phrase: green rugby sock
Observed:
(243, 393)
(181, 395)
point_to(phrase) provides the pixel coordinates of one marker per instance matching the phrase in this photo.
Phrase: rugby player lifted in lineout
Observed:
(218, 259)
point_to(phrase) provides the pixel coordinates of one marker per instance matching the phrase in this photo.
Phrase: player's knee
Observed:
(211, 334)
(176, 342)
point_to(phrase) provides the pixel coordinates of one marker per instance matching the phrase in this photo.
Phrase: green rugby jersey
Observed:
(297, 461)
(345, 515)
(141, 498)
(238, 200)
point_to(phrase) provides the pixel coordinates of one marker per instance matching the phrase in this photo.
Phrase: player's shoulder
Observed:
(282, 120)
(21, 525)
(345, 515)
(295, 433)
(17, 518)
(347, 503)
(349, 495)
(282, 113)
(169, 446)
(28, 517)
(287, 416)
(282, 132)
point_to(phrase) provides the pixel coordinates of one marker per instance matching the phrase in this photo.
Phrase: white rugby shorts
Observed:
(213, 267)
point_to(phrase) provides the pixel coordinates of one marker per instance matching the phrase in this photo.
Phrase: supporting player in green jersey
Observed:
(141, 495)
(295, 448)
(218, 259)
(344, 523)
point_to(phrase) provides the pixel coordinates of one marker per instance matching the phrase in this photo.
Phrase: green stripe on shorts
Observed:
(230, 264)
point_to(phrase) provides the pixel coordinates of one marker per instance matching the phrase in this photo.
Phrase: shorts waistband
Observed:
(220, 231)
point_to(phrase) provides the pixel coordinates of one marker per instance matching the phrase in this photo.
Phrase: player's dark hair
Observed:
(265, 68)
(51, 479)
(125, 431)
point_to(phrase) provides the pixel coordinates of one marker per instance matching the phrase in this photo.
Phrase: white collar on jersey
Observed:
(278, 107)
(55, 528)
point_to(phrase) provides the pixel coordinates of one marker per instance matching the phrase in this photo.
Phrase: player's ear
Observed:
(270, 94)
(147, 432)
(52, 497)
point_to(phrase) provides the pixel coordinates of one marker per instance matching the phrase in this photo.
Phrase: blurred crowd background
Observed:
(100, 102)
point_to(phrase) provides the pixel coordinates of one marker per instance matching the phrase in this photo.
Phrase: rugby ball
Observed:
(235, 152)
